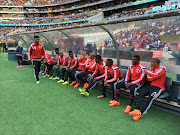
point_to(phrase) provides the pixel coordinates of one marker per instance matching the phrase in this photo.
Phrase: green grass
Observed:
(53, 109)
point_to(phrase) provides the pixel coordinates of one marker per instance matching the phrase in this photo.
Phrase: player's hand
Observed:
(91, 78)
(127, 85)
(29, 61)
(145, 71)
(95, 79)
(56, 67)
(105, 83)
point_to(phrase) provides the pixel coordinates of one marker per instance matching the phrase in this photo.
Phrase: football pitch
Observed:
(54, 109)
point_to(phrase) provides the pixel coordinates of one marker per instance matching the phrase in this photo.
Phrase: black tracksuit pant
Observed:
(152, 92)
(92, 84)
(37, 66)
(83, 76)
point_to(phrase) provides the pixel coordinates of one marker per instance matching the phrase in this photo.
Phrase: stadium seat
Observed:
(166, 94)
(123, 71)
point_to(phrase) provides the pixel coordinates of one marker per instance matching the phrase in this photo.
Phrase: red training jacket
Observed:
(82, 63)
(63, 61)
(114, 72)
(73, 62)
(136, 74)
(158, 76)
(90, 65)
(36, 52)
(99, 68)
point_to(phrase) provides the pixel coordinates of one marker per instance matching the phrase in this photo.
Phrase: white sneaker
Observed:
(37, 82)
(55, 78)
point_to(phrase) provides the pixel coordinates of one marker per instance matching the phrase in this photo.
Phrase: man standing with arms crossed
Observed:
(36, 54)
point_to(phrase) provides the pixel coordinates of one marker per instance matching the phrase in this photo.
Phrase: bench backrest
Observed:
(168, 83)
(123, 71)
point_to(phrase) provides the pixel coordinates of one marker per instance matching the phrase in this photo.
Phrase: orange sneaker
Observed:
(111, 101)
(135, 118)
(115, 103)
(77, 85)
(136, 112)
(128, 109)
(74, 82)
(85, 85)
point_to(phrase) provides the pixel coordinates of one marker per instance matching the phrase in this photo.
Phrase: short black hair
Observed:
(98, 57)
(70, 52)
(36, 36)
(57, 49)
(110, 61)
(137, 57)
(156, 60)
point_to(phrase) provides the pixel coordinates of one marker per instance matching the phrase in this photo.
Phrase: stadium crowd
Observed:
(147, 10)
(90, 70)
(31, 2)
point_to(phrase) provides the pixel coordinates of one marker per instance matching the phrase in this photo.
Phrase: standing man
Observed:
(36, 54)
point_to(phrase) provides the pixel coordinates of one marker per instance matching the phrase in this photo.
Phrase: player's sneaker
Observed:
(128, 109)
(37, 82)
(65, 83)
(115, 103)
(73, 82)
(86, 94)
(18, 67)
(21, 66)
(101, 96)
(85, 85)
(111, 101)
(136, 112)
(50, 78)
(60, 81)
(77, 85)
(135, 118)
(55, 78)
(82, 91)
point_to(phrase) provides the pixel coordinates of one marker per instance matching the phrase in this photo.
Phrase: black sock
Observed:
(131, 99)
(117, 95)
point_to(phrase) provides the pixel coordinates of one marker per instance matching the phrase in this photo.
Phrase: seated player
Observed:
(44, 65)
(96, 77)
(80, 69)
(63, 62)
(157, 76)
(90, 67)
(49, 64)
(72, 67)
(134, 79)
(112, 76)
(55, 69)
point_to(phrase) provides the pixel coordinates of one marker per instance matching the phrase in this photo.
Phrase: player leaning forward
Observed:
(36, 54)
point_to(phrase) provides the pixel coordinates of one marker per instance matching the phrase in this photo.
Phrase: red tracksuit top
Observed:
(114, 72)
(136, 74)
(73, 62)
(58, 59)
(99, 68)
(90, 65)
(63, 60)
(50, 61)
(157, 76)
(82, 63)
(47, 56)
(36, 52)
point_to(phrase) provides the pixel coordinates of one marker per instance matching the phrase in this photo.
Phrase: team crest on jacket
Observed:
(137, 70)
